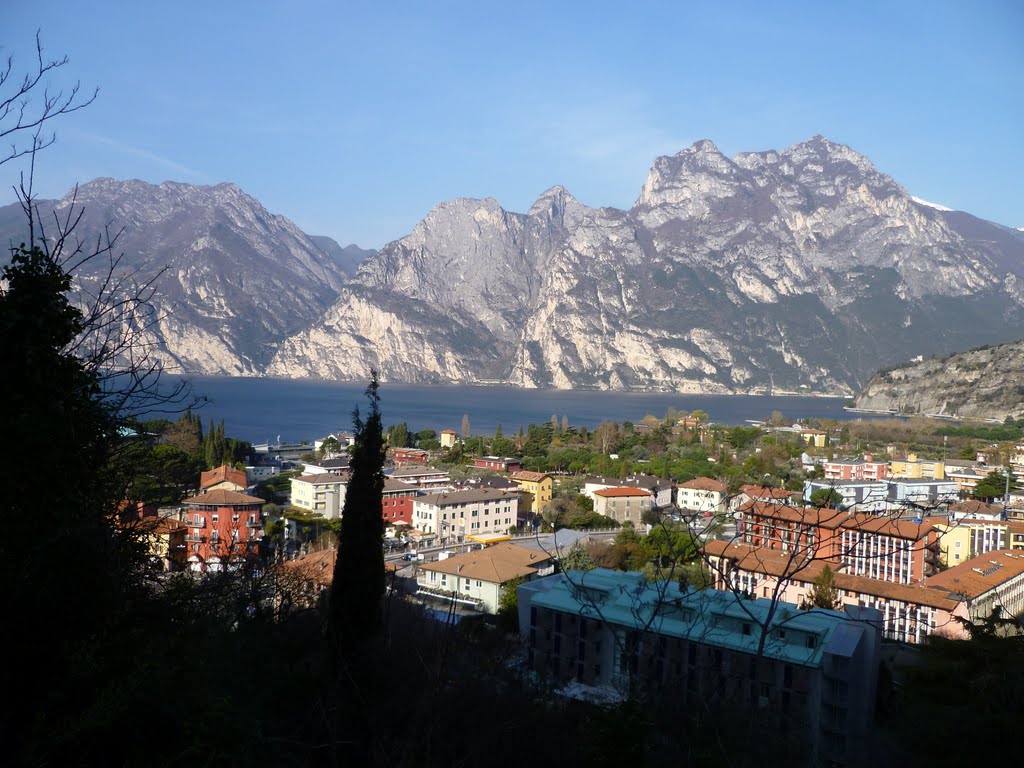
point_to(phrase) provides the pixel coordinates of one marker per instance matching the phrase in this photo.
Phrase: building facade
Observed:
(623, 505)
(702, 494)
(320, 494)
(454, 515)
(536, 490)
(814, 671)
(479, 578)
(224, 528)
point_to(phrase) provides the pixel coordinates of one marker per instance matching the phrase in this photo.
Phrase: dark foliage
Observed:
(359, 571)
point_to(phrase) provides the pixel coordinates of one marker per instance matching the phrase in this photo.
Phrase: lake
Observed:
(261, 409)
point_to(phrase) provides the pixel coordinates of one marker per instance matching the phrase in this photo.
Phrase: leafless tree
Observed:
(26, 114)
(116, 302)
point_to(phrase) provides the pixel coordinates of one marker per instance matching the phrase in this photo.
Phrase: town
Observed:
(777, 565)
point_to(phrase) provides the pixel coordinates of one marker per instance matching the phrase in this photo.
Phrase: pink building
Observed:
(866, 468)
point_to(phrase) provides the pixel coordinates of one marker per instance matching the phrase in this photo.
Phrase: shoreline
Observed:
(494, 384)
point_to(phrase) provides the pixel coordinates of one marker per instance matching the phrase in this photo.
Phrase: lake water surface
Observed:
(261, 409)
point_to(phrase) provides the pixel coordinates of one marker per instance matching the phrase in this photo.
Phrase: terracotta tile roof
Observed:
(495, 564)
(705, 484)
(782, 564)
(979, 575)
(974, 507)
(833, 519)
(221, 474)
(617, 492)
(530, 477)
(318, 566)
(223, 497)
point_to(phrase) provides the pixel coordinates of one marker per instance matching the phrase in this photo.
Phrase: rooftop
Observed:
(705, 484)
(530, 477)
(709, 616)
(223, 497)
(418, 472)
(980, 574)
(496, 564)
(322, 479)
(469, 496)
(221, 474)
(610, 493)
(775, 563)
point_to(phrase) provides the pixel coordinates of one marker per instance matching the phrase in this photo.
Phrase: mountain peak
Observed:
(821, 148)
(701, 146)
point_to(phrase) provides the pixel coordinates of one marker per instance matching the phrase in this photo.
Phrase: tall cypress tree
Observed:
(355, 609)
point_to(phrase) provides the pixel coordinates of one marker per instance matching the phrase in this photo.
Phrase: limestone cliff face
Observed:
(983, 383)
(232, 279)
(793, 270)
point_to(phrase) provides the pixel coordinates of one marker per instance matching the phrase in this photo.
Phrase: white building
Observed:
(465, 513)
(321, 494)
(702, 494)
(477, 579)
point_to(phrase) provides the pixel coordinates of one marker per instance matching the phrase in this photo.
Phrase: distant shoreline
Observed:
(483, 383)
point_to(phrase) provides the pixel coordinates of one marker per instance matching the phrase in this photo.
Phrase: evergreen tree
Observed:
(355, 609)
(824, 593)
(63, 568)
(577, 559)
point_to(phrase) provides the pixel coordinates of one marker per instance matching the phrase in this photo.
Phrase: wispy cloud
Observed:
(140, 152)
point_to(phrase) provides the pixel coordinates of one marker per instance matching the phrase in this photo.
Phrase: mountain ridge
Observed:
(798, 241)
(982, 383)
(799, 270)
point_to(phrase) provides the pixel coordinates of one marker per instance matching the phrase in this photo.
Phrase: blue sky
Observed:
(355, 119)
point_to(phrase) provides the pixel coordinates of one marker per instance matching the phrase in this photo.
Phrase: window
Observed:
(215, 518)
(812, 641)
(746, 628)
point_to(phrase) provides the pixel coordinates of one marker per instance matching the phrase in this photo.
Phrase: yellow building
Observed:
(814, 437)
(536, 489)
(914, 468)
(954, 541)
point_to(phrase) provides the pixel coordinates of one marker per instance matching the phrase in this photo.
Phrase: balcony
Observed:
(194, 537)
(253, 524)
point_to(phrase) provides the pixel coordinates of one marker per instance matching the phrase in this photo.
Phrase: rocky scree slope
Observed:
(796, 270)
(984, 383)
(236, 281)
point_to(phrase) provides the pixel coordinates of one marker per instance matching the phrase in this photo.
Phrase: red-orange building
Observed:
(499, 463)
(223, 477)
(403, 457)
(224, 527)
(396, 504)
(900, 551)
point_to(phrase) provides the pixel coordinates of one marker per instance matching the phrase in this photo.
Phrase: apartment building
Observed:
(936, 605)
(623, 505)
(864, 468)
(457, 514)
(536, 490)
(478, 579)
(322, 494)
(702, 494)
(224, 527)
(603, 630)
(879, 547)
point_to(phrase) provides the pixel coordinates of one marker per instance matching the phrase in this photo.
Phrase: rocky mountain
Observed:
(793, 270)
(348, 257)
(236, 279)
(985, 383)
